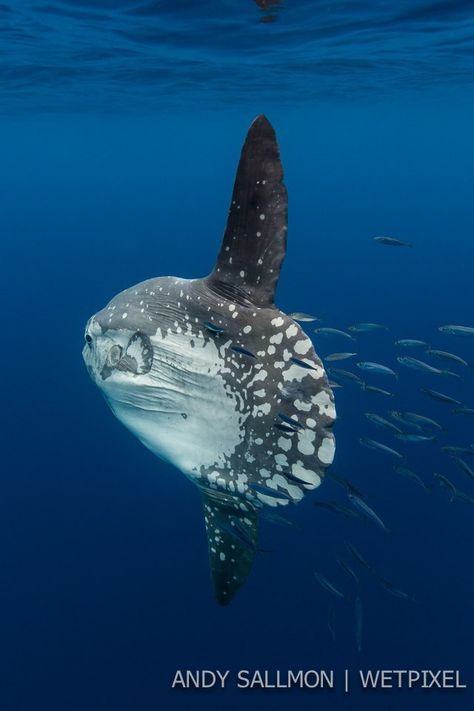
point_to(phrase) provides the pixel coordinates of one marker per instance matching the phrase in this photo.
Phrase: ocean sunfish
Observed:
(209, 374)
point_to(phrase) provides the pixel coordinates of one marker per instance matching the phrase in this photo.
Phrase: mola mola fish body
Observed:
(212, 377)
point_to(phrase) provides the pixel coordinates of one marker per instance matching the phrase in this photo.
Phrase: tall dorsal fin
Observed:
(254, 243)
(232, 544)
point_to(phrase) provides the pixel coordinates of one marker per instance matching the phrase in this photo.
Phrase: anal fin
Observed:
(232, 543)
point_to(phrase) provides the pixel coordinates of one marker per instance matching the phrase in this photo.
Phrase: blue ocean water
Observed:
(121, 127)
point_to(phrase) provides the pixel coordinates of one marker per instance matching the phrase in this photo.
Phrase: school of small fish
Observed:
(394, 433)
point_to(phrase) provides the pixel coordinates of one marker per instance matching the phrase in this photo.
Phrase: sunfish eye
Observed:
(88, 338)
(114, 355)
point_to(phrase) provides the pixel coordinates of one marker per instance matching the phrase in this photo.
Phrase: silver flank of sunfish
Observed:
(457, 330)
(201, 370)
(392, 242)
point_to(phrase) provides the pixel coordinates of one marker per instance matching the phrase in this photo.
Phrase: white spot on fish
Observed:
(324, 404)
(306, 475)
(305, 442)
(326, 450)
(301, 405)
(291, 331)
(285, 444)
(278, 321)
(303, 346)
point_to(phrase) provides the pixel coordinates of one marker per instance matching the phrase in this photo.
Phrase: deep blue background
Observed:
(104, 580)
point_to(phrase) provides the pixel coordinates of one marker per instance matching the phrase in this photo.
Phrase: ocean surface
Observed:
(121, 125)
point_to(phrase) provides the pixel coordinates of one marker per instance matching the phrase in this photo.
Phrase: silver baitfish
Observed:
(339, 356)
(373, 444)
(413, 418)
(444, 355)
(465, 467)
(347, 568)
(214, 328)
(355, 553)
(302, 317)
(347, 485)
(411, 475)
(457, 330)
(411, 437)
(327, 585)
(415, 364)
(346, 374)
(242, 351)
(375, 390)
(393, 590)
(369, 512)
(267, 491)
(367, 327)
(333, 332)
(435, 395)
(392, 242)
(444, 481)
(410, 343)
(336, 508)
(451, 449)
(382, 422)
(378, 368)
(463, 410)
(400, 417)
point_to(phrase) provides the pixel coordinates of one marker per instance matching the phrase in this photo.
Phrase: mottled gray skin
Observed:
(215, 413)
